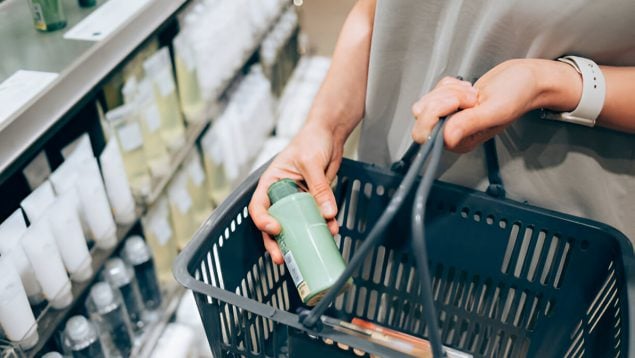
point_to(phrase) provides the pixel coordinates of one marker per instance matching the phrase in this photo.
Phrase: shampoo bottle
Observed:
(81, 338)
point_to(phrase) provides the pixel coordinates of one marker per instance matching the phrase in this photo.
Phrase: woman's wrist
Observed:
(558, 85)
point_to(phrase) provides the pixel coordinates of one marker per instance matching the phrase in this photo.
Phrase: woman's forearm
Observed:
(562, 88)
(339, 104)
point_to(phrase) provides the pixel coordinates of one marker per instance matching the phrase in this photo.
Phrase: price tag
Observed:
(130, 136)
(105, 20)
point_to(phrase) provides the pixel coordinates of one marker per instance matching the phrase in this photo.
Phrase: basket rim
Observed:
(184, 258)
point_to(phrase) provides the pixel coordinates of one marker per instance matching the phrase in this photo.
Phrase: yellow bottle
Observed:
(155, 149)
(127, 131)
(159, 69)
(192, 102)
(181, 210)
(197, 188)
(218, 186)
(160, 237)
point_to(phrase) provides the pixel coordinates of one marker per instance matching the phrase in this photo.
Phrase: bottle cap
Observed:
(117, 273)
(136, 251)
(53, 355)
(102, 295)
(281, 189)
(80, 332)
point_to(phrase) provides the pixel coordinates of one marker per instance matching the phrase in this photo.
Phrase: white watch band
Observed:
(593, 93)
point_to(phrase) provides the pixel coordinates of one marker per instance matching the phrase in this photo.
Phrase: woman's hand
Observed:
(314, 156)
(497, 99)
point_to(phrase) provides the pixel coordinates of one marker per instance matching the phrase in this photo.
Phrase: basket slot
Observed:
(537, 252)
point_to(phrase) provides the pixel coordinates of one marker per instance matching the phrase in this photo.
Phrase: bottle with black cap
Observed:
(81, 339)
(137, 254)
(107, 310)
(122, 277)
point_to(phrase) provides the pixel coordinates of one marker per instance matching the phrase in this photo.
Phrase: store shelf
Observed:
(81, 65)
(50, 319)
(172, 298)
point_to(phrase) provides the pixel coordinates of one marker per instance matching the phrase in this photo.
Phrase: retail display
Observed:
(11, 231)
(181, 208)
(219, 185)
(48, 15)
(16, 318)
(309, 250)
(279, 51)
(122, 277)
(81, 339)
(197, 188)
(192, 102)
(107, 310)
(40, 247)
(116, 184)
(138, 255)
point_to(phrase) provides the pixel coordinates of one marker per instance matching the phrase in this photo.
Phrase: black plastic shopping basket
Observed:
(508, 279)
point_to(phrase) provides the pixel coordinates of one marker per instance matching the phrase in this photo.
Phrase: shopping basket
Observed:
(508, 279)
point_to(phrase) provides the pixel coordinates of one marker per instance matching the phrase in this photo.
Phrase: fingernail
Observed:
(327, 209)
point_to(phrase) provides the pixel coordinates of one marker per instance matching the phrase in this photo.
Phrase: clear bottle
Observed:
(196, 187)
(155, 149)
(159, 69)
(122, 277)
(192, 102)
(48, 15)
(159, 234)
(127, 130)
(137, 254)
(81, 339)
(109, 313)
(181, 209)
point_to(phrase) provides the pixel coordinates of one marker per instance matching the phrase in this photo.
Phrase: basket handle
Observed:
(495, 187)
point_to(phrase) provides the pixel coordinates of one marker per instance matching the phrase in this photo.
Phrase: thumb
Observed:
(320, 188)
(465, 124)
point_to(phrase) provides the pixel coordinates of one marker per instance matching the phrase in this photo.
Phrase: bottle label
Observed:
(165, 82)
(38, 17)
(296, 275)
(152, 118)
(196, 173)
(182, 199)
(162, 230)
(130, 136)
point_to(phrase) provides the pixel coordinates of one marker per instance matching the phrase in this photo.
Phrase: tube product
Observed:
(16, 317)
(40, 248)
(116, 183)
(38, 201)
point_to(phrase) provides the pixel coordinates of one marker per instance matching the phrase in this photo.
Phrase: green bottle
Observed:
(48, 15)
(312, 258)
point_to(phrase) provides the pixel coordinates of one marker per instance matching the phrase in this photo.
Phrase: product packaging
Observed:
(64, 221)
(11, 231)
(138, 255)
(122, 277)
(127, 130)
(157, 229)
(181, 209)
(159, 69)
(192, 102)
(218, 184)
(48, 15)
(40, 247)
(116, 183)
(81, 339)
(36, 203)
(107, 310)
(155, 148)
(16, 318)
(197, 188)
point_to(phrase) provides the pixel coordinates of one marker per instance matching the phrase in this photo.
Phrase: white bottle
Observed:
(42, 251)
(69, 236)
(36, 203)
(11, 231)
(181, 209)
(95, 205)
(16, 316)
(116, 183)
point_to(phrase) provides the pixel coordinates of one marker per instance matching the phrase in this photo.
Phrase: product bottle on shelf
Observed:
(218, 184)
(155, 148)
(11, 231)
(107, 310)
(41, 249)
(52, 354)
(81, 339)
(159, 69)
(16, 317)
(137, 254)
(122, 277)
(181, 209)
(48, 15)
(128, 132)
(192, 102)
(116, 184)
(157, 229)
(196, 187)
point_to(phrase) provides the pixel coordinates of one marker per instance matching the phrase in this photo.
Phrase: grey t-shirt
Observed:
(588, 172)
